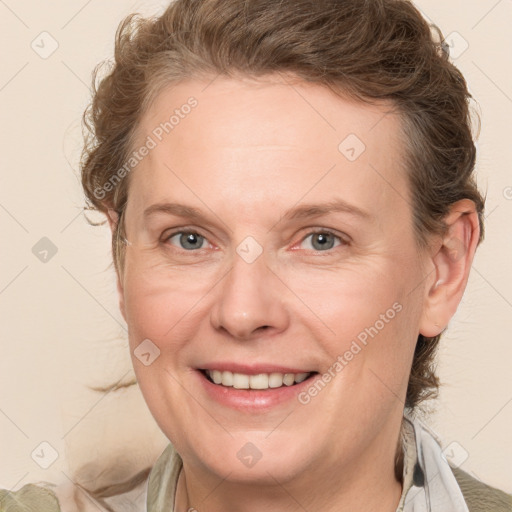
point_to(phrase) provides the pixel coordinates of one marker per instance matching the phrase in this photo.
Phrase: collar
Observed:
(428, 480)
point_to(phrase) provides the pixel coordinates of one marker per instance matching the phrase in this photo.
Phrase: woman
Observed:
(294, 216)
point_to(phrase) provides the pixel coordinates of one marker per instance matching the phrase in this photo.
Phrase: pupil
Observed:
(323, 241)
(190, 240)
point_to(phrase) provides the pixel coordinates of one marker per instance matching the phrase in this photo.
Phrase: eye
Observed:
(322, 241)
(187, 240)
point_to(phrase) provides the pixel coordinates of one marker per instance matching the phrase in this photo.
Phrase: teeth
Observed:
(288, 379)
(275, 380)
(227, 379)
(260, 381)
(300, 377)
(240, 381)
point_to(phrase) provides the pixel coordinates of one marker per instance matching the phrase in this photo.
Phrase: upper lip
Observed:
(253, 369)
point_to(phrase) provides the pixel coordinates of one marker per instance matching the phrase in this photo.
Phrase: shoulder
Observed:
(163, 480)
(29, 497)
(68, 496)
(481, 497)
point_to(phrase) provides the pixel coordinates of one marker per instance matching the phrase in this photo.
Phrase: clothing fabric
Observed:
(430, 484)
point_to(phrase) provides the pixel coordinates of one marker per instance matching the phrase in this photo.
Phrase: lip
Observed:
(254, 369)
(253, 400)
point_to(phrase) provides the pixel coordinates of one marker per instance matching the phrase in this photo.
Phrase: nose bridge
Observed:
(248, 298)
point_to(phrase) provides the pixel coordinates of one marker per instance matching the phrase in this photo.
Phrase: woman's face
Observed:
(270, 240)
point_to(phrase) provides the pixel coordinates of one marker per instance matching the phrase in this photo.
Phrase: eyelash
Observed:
(343, 241)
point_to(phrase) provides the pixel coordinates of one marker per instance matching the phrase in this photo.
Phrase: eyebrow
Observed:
(180, 210)
(302, 211)
(315, 210)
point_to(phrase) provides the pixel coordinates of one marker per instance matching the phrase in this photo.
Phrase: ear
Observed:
(113, 219)
(450, 264)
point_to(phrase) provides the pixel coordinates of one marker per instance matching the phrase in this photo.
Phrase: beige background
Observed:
(61, 329)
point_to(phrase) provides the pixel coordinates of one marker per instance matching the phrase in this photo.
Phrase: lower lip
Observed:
(252, 399)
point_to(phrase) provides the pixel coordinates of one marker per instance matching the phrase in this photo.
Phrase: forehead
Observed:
(268, 138)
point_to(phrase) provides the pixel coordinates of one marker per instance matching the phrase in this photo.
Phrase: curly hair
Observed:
(370, 50)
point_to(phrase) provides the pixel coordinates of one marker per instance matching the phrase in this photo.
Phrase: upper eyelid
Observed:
(313, 231)
(168, 233)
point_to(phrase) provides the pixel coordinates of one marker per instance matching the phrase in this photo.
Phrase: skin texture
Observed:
(245, 155)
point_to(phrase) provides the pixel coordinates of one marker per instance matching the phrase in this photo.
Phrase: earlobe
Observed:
(451, 263)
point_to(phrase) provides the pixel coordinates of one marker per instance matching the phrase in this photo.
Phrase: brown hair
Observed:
(370, 50)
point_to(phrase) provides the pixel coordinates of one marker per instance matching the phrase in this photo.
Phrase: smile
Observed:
(259, 381)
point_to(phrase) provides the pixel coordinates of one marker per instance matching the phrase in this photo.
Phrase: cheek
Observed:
(161, 305)
(163, 310)
(370, 315)
(348, 299)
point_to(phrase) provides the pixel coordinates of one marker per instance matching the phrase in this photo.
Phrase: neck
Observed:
(373, 482)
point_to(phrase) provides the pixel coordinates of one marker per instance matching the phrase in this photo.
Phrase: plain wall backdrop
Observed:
(61, 328)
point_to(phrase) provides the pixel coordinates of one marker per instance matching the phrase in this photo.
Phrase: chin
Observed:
(248, 457)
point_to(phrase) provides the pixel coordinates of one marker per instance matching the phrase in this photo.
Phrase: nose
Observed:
(249, 301)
